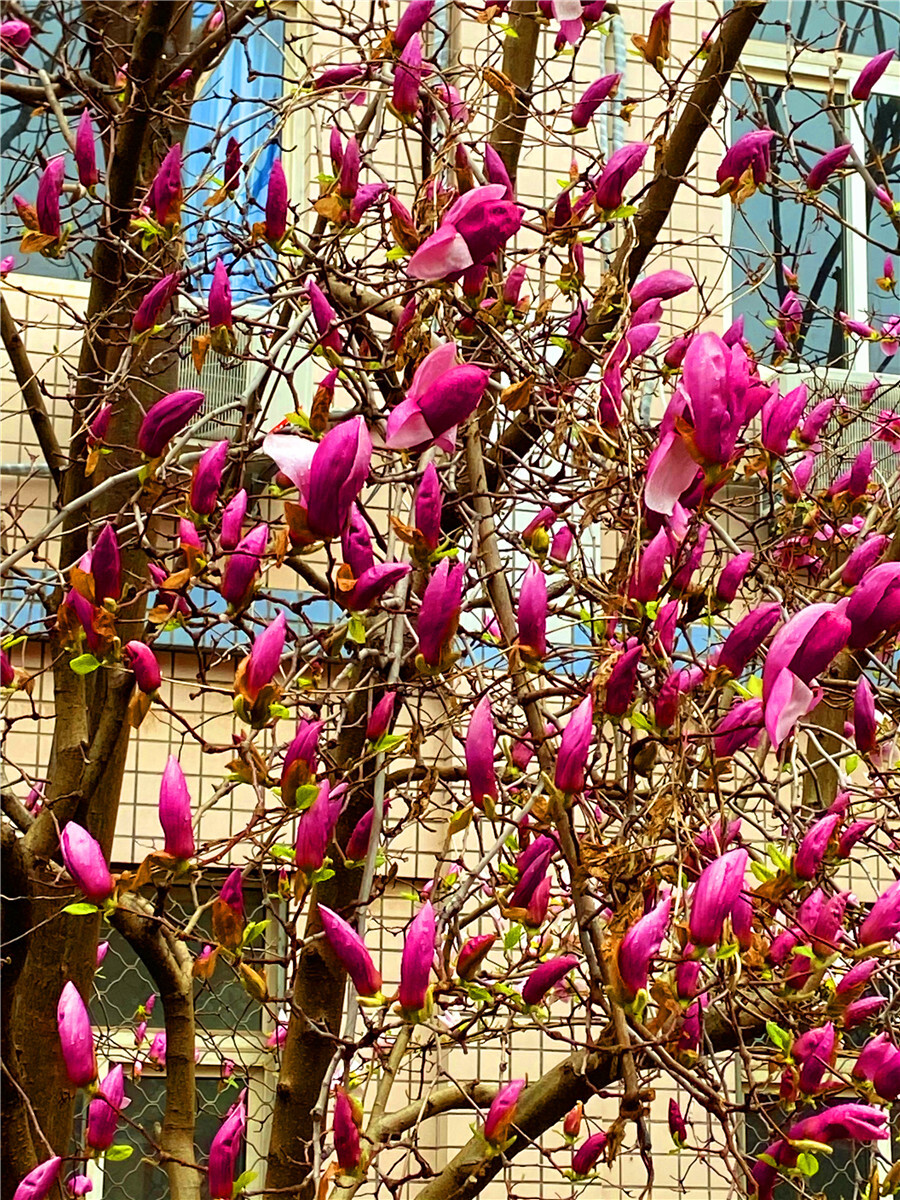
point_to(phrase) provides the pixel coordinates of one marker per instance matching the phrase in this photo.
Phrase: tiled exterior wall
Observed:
(49, 317)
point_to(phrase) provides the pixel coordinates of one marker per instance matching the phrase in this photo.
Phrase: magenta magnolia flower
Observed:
(870, 74)
(883, 922)
(103, 1112)
(623, 163)
(801, 649)
(545, 976)
(533, 612)
(48, 194)
(350, 951)
(17, 34)
(153, 304)
(175, 815)
(37, 1184)
(640, 945)
(813, 1052)
(746, 638)
(427, 508)
(165, 419)
(232, 892)
(233, 520)
(382, 715)
(502, 1112)
(473, 954)
(219, 303)
(76, 1037)
(876, 1052)
(663, 285)
(85, 152)
(361, 835)
(337, 472)
(677, 1126)
(276, 204)
(232, 167)
(207, 478)
(415, 15)
(865, 724)
(858, 1012)
(417, 959)
(495, 171)
(645, 583)
(439, 614)
(826, 166)
(715, 894)
(265, 657)
(346, 1131)
(243, 566)
(470, 233)
(225, 1150)
(407, 79)
(300, 760)
(864, 556)
(854, 1122)
(316, 828)
(106, 565)
(780, 417)
(811, 851)
(561, 546)
(532, 866)
(324, 317)
(750, 153)
(592, 98)
(874, 607)
(480, 754)
(442, 395)
(732, 577)
(85, 862)
(622, 681)
(164, 197)
(718, 396)
(589, 1153)
(574, 746)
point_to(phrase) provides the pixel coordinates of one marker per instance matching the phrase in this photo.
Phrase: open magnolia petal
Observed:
(789, 700)
(431, 369)
(407, 428)
(670, 472)
(442, 254)
(293, 457)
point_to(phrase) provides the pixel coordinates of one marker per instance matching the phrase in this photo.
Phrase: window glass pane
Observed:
(769, 234)
(221, 1004)
(251, 70)
(139, 1177)
(882, 116)
(26, 127)
(854, 26)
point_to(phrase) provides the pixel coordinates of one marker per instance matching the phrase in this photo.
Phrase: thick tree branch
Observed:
(31, 393)
(547, 1101)
(519, 57)
(169, 964)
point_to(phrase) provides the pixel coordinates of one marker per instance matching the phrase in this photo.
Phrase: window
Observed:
(838, 258)
(771, 232)
(854, 26)
(139, 1177)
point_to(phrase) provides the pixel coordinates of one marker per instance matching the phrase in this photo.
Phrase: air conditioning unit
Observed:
(222, 379)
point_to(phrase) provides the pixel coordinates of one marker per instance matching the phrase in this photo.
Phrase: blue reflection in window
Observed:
(771, 231)
(239, 98)
(854, 26)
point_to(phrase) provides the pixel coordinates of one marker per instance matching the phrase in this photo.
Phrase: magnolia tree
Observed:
(662, 778)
